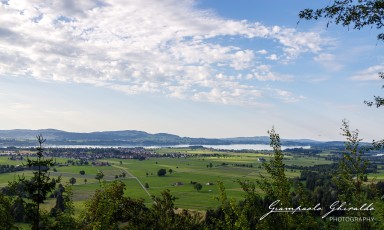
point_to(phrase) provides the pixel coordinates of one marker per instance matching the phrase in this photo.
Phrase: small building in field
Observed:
(261, 159)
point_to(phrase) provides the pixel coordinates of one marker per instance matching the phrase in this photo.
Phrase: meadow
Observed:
(225, 168)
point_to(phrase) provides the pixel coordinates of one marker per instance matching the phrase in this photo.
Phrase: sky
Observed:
(196, 68)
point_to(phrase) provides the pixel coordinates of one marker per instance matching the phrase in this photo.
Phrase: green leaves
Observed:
(277, 186)
(99, 176)
(104, 208)
(349, 13)
(378, 101)
(7, 220)
(352, 173)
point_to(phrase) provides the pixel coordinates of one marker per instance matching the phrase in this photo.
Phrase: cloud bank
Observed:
(369, 74)
(166, 47)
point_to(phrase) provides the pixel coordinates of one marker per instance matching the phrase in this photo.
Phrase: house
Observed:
(261, 159)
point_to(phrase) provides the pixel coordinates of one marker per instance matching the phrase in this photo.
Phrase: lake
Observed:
(224, 147)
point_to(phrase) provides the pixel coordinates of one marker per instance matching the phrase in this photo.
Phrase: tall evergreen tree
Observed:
(38, 187)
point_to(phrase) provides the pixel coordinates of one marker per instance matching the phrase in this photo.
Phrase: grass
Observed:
(194, 169)
(185, 170)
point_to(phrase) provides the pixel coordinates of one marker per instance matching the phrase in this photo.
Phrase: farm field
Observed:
(227, 167)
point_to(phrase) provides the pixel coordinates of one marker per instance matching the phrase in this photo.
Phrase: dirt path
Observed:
(133, 177)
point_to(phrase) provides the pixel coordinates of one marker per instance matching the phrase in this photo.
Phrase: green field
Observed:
(185, 170)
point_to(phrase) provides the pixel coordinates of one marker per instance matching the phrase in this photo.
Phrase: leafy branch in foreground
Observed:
(350, 13)
(352, 173)
(358, 14)
(276, 186)
(378, 101)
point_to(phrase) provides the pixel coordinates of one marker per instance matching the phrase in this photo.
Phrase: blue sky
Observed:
(192, 68)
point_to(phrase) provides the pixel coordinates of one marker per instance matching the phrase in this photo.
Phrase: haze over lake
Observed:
(224, 147)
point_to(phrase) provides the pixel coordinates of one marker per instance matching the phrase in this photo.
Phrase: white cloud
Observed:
(297, 42)
(287, 96)
(273, 57)
(265, 73)
(324, 57)
(369, 74)
(262, 51)
(329, 61)
(164, 47)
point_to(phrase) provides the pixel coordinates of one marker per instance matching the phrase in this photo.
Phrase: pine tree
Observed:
(38, 187)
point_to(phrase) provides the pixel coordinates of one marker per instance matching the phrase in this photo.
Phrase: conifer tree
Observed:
(38, 187)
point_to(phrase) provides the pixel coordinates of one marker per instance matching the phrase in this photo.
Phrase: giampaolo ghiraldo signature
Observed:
(336, 206)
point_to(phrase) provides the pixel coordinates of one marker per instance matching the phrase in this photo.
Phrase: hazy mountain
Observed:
(25, 137)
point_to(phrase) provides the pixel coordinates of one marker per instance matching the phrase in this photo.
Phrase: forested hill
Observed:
(25, 137)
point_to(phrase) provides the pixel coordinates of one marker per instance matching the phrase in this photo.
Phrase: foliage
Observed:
(276, 187)
(198, 186)
(59, 206)
(378, 101)
(10, 168)
(18, 210)
(163, 209)
(72, 180)
(64, 217)
(99, 176)
(161, 172)
(6, 217)
(360, 14)
(164, 216)
(109, 209)
(229, 215)
(379, 213)
(253, 206)
(351, 166)
(103, 209)
(303, 198)
(38, 187)
(350, 177)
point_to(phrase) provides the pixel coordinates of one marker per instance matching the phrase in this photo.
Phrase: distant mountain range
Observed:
(26, 137)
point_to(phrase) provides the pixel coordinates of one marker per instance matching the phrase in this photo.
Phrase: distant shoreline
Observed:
(218, 147)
